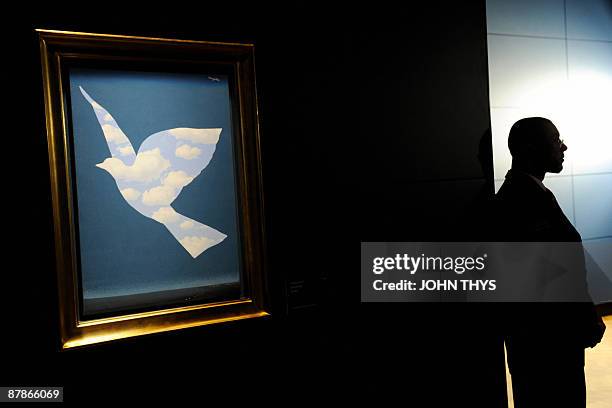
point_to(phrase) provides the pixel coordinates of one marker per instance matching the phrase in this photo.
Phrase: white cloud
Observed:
(187, 152)
(177, 179)
(130, 194)
(187, 225)
(148, 166)
(108, 118)
(196, 245)
(126, 150)
(198, 136)
(162, 195)
(113, 134)
(165, 215)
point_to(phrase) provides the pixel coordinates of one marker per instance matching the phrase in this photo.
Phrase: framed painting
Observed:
(155, 181)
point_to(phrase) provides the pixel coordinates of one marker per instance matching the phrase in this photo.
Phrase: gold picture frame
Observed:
(62, 50)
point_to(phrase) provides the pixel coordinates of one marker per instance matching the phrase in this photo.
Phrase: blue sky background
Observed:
(122, 251)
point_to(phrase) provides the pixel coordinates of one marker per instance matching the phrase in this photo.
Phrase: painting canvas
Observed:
(156, 184)
(154, 174)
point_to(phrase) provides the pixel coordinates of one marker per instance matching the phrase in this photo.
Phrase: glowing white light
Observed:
(580, 108)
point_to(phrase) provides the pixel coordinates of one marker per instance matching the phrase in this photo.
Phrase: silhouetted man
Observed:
(545, 341)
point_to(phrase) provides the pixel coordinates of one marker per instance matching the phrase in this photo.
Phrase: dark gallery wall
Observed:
(371, 123)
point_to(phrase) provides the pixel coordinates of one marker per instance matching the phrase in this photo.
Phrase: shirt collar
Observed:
(538, 181)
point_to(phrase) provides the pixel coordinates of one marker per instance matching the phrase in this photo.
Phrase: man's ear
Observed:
(531, 149)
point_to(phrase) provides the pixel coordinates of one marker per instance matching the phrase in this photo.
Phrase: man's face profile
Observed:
(553, 148)
(535, 143)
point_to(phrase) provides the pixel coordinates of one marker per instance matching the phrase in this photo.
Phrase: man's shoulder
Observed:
(521, 188)
(524, 209)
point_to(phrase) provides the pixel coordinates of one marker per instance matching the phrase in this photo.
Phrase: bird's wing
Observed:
(188, 150)
(118, 143)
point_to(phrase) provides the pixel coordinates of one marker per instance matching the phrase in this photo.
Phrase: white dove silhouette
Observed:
(151, 180)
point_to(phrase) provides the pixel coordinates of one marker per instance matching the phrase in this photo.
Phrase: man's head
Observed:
(535, 143)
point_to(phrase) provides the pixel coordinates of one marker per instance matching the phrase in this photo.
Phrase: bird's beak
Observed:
(103, 166)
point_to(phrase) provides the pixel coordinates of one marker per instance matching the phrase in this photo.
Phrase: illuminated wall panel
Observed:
(593, 198)
(526, 17)
(520, 67)
(563, 190)
(590, 105)
(589, 19)
(553, 58)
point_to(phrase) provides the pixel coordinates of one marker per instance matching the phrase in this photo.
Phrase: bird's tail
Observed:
(194, 236)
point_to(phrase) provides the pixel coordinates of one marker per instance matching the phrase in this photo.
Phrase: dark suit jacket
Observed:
(531, 213)
(527, 212)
